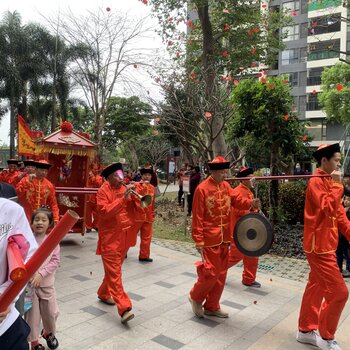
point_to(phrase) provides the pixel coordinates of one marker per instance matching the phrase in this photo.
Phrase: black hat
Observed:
(146, 170)
(244, 172)
(41, 164)
(29, 162)
(13, 161)
(326, 150)
(218, 163)
(110, 169)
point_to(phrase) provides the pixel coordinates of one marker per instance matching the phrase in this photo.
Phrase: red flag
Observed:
(26, 146)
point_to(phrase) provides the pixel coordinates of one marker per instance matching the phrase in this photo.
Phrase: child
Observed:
(44, 306)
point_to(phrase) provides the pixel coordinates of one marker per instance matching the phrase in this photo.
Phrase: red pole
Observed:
(17, 270)
(38, 258)
(278, 177)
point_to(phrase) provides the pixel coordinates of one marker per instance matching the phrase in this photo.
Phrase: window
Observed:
(313, 104)
(324, 49)
(325, 24)
(290, 32)
(291, 6)
(293, 79)
(290, 56)
(314, 76)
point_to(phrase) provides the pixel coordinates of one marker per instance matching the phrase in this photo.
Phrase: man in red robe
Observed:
(326, 293)
(94, 181)
(144, 217)
(245, 203)
(35, 191)
(114, 207)
(211, 217)
(11, 176)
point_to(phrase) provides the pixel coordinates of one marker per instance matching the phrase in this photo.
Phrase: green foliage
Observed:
(292, 200)
(240, 28)
(335, 94)
(264, 111)
(127, 118)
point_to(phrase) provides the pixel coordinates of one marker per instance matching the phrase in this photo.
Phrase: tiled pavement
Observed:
(264, 318)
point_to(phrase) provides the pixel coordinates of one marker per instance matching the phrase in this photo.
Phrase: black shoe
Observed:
(38, 347)
(51, 340)
(126, 256)
(145, 259)
(88, 230)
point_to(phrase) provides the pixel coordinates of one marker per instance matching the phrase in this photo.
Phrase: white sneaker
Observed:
(328, 344)
(308, 338)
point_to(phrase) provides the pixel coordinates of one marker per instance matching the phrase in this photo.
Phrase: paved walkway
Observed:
(264, 318)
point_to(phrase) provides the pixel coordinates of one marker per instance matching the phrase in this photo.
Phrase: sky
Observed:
(35, 10)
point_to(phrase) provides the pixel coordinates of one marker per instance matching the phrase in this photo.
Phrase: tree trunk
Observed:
(218, 140)
(12, 122)
(53, 106)
(274, 184)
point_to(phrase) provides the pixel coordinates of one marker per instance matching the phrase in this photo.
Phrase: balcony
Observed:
(311, 81)
(313, 106)
(322, 55)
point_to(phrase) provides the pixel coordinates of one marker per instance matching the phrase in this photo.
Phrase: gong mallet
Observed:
(38, 258)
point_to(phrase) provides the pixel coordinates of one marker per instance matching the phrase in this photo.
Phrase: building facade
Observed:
(312, 43)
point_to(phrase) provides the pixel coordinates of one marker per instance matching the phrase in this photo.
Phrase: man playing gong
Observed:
(211, 234)
(245, 203)
(326, 293)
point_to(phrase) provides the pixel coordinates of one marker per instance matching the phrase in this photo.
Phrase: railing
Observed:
(313, 81)
(313, 106)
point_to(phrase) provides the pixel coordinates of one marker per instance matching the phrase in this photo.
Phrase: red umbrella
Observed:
(204, 268)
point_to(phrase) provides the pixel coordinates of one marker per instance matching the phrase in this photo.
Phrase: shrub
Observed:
(292, 200)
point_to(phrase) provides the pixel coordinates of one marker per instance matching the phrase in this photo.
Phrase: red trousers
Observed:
(146, 230)
(211, 288)
(324, 297)
(250, 264)
(112, 286)
(91, 215)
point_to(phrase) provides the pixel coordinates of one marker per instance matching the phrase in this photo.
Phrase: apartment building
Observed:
(313, 42)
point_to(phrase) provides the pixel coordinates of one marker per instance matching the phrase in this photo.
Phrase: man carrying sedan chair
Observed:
(326, 293)
(245, 203)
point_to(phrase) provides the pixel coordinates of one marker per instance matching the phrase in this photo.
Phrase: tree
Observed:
(185, 115)
(335, 94)
(224, 39)
(13, 61)
(127, 119)
(107, 48)
(263, 109)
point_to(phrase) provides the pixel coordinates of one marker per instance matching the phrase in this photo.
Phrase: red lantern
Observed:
(225, 53)
(208, 115)
(189, 23)
(314, 92)
(339, 87)
(256, 30)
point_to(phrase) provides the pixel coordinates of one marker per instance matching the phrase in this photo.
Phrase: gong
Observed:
(253, 234)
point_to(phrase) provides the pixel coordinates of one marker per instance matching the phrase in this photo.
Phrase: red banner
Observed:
(26, 146)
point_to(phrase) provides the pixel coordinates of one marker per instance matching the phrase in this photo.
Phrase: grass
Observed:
(170, 228)
(163, 230)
